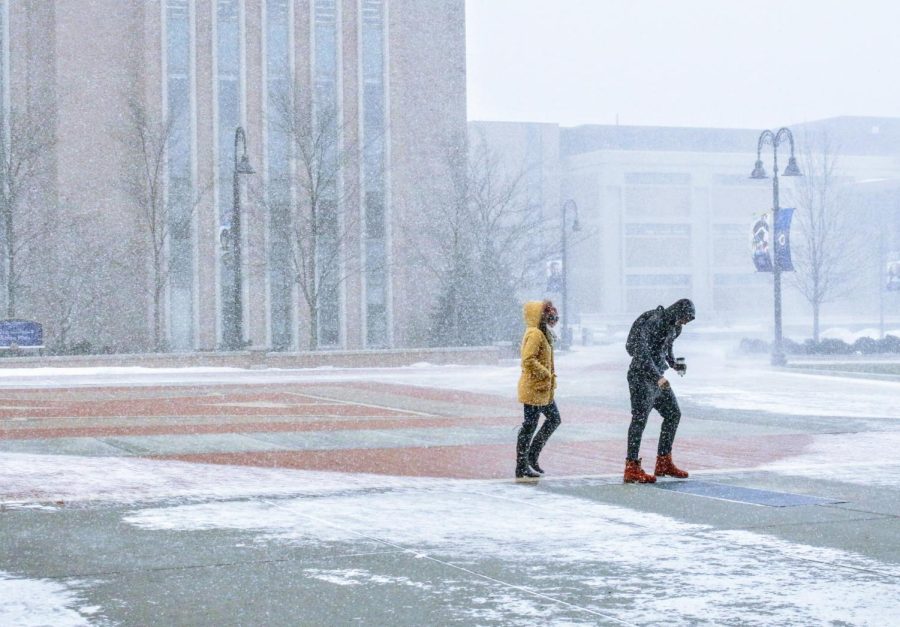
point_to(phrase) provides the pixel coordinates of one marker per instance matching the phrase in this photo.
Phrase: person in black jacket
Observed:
(650, 346)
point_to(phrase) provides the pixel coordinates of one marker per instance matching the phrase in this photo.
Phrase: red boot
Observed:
(634, 473)
(665, 468)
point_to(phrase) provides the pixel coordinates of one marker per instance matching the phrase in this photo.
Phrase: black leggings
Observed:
(645, 396)
(525, 445)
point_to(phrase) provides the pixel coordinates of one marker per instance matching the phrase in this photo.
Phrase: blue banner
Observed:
(554, 276)
(892, 272)
(783, 240)
(766, 251)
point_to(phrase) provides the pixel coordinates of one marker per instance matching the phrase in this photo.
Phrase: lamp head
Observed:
(244, 166)
(792, 169)
(759, 172)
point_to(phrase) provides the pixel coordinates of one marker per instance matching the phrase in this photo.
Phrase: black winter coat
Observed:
(650, 342)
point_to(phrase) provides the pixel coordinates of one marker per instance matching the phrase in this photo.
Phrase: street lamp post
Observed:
(241, 166)
(759, 172)
(566, 337)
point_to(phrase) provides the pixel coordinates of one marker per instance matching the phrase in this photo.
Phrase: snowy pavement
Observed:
(138, 537)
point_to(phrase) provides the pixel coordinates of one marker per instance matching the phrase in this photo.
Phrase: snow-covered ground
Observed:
(690, 573)
(42, 602)
(699, 574)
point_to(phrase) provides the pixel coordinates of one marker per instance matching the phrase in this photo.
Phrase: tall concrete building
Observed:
(141, 101)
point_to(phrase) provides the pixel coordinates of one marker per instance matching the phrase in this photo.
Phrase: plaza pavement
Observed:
(437, 447)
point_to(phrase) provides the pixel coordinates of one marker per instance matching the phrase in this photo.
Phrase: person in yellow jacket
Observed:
(536, 385)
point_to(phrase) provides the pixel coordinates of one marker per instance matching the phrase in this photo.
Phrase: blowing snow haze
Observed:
(694, 63)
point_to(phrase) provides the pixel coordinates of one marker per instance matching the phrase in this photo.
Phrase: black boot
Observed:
(523, 468)
(538, 443)
(525, 471)
(533, 462)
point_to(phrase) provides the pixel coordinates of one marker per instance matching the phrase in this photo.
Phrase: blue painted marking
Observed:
(742, 495)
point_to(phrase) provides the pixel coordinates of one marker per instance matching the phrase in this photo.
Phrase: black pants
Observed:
(647, 395)
(527, 448)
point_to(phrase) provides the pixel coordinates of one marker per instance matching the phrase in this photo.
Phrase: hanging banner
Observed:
(554, 275)
(892, 272)
(783, 240)
(759, 244)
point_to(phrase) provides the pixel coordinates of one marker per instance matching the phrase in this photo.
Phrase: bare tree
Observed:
(825, 251)
(315, 223)
(477, 242)
(148, 138)
(23, 223)
(78, 267)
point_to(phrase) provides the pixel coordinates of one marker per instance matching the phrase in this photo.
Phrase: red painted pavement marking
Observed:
(255, 427)
(44, 403)
(30, 432)
(312, 413)
(202, 406)
(462, 461)
(214, 399)
(437, 394)
(498, 461)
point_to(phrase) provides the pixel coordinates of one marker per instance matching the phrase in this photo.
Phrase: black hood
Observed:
(680, 310)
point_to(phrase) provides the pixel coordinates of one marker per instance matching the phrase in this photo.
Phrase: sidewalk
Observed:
(257, 358)
(350, 500)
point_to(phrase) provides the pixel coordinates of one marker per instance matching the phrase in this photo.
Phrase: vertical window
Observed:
(4, 270)
(278, 152)
(326, 54)
(3, 74)
(325, 70)
(228, 113)
(3, 57)
(373, 107)
(180, 196)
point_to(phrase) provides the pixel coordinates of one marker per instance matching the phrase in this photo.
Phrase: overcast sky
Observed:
(714, 63)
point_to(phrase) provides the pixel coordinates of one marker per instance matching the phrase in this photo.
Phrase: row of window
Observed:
(748, 279)
(670, 196)
(685, 179)
(723, 300)
(654, 244)
(730, 292)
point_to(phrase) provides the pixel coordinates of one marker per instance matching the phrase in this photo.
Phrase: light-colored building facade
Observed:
(667, 212)
(391, 71)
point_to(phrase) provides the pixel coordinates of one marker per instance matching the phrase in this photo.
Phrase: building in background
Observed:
(667, 212)
(878, 202)
(393, 71)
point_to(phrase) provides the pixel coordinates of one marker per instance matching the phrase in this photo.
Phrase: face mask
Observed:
(551, 316)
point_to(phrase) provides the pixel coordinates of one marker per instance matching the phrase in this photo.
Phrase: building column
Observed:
(255, 264)
(205, 218)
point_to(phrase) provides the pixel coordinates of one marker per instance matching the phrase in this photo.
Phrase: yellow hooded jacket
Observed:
(538, 378)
